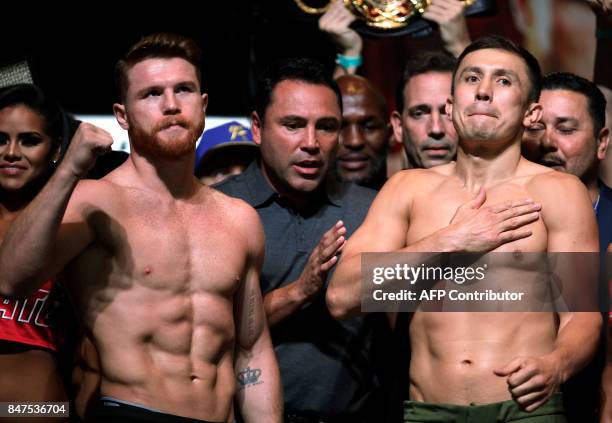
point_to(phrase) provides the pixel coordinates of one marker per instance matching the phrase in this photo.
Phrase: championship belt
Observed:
(391, 17)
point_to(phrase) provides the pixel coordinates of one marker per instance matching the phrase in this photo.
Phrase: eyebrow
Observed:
(186, 83)
(35, 133)
(292, 118)
(496, 72)
(566, 119)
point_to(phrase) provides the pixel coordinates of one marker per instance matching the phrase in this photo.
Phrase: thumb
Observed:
(478, 200)
(509, 368)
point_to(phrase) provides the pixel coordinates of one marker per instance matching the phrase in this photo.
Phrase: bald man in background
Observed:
(364, 137)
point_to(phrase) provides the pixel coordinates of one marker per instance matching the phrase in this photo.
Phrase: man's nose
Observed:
(310, 140)
(436, 128)
(171, 104)
(352, 138)
(549, 141)
(484, 90)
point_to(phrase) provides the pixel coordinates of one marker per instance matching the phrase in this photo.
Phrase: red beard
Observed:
(163, 147)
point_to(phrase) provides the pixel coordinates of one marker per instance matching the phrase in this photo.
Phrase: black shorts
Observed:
(110, 410)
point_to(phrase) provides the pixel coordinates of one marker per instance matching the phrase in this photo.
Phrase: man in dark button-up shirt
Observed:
(325, 364)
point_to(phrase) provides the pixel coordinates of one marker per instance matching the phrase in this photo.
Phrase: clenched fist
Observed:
(88, 142)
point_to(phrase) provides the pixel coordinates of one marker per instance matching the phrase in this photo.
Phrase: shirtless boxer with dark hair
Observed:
(483, 366)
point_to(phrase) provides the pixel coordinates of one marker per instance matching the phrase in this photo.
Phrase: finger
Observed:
(331, 249)
(433, 16)
(537, 404)
(531, 401)
(330, 235)
(329, 264)
(476, 202)
(518, 222)
(533, 386)
(506, 205)
(518, 210)
(522, 376)
(509, 236)
(509, 368)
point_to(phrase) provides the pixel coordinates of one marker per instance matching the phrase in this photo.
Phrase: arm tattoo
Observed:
(251, 316)
(248, 377)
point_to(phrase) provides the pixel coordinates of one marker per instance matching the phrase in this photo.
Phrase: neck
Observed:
(481, 166)
(592, 184)
(166, 176)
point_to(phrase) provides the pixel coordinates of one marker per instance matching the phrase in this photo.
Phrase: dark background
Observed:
(72, 51)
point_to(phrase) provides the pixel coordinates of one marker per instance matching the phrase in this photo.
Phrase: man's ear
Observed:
(256, 124)
(204, 102)
(532, 115)
(120, 115)
(396, 125)
(448, 107)
(603, 139)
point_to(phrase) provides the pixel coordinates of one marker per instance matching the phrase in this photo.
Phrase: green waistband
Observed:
(506, 411)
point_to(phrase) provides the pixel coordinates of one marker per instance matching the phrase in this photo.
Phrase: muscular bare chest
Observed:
(177, 248)
(435, 210)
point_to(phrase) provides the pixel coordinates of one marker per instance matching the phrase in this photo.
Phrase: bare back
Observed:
(156, 290)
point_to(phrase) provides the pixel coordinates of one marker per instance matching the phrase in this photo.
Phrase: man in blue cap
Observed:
(224, 151)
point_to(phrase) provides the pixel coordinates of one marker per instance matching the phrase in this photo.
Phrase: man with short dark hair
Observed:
(420, 122)
(325, 365)
(572, 137)
(165, 282)
(365, 133)
(484, 367)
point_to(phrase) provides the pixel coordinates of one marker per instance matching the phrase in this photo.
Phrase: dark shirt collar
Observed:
(261, 192)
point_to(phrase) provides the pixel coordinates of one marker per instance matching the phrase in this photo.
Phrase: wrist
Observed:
(349, 61)
(66, 172)
(556, 359)
(298, 292)
(447, 241)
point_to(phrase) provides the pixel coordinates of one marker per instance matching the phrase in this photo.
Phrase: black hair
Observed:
(500, 43)
(595, 98)
(32, 97)
(303, 69)
(429, 61)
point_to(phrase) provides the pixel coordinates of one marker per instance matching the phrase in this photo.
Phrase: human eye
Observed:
(292, 125)
(152, 92)
(185, 88)
(566, 130)
(328, 125)
(3, 139)
(471, 78)
(30, 140)
(418, 112)
(371, 126)
(504, 81)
